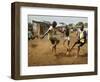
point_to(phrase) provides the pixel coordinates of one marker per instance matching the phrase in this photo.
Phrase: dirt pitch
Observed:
(39, 53)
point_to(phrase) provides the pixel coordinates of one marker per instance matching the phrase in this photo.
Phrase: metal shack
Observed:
(39, 27)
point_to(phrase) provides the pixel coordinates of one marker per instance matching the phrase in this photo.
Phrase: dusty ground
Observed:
(39, 53)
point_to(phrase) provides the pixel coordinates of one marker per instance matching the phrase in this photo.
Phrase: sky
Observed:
(58, 19)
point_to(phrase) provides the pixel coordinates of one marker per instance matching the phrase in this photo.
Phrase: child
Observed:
(81, 39)
(30, 35)
(52, 36)
(66, 35)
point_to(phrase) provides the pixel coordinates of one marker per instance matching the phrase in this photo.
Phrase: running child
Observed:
(52, 36)
(66, 37)
(82, 39)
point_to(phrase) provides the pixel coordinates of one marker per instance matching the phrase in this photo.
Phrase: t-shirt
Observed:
(52, 32)
(82, 36)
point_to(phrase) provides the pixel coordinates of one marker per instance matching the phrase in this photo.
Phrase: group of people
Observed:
(52, 37)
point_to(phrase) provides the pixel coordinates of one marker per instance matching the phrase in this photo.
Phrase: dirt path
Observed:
(39, 53)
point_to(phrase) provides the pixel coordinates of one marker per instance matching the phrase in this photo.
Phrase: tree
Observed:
(79, 24)
(71, 25)
(86, 25)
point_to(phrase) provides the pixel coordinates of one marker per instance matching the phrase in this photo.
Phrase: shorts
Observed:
(67, 38)
(80, 43)
(54, 40)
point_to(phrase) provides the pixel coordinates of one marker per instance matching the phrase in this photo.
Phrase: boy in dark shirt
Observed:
(82, 39)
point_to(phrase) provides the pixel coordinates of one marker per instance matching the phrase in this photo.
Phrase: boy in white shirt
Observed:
(52, 37)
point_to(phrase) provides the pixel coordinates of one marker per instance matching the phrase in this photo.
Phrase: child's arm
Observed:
(60, 30)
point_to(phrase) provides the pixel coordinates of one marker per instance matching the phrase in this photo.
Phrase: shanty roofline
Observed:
(40, 22)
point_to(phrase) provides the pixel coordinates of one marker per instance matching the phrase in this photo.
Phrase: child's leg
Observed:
(54, 46)
(78, 50)
(68, 48)
(53, 42)
(52, 49)
(79, 46)
(68, 44)
(73, 46)
(68, 41)
(64, 43)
